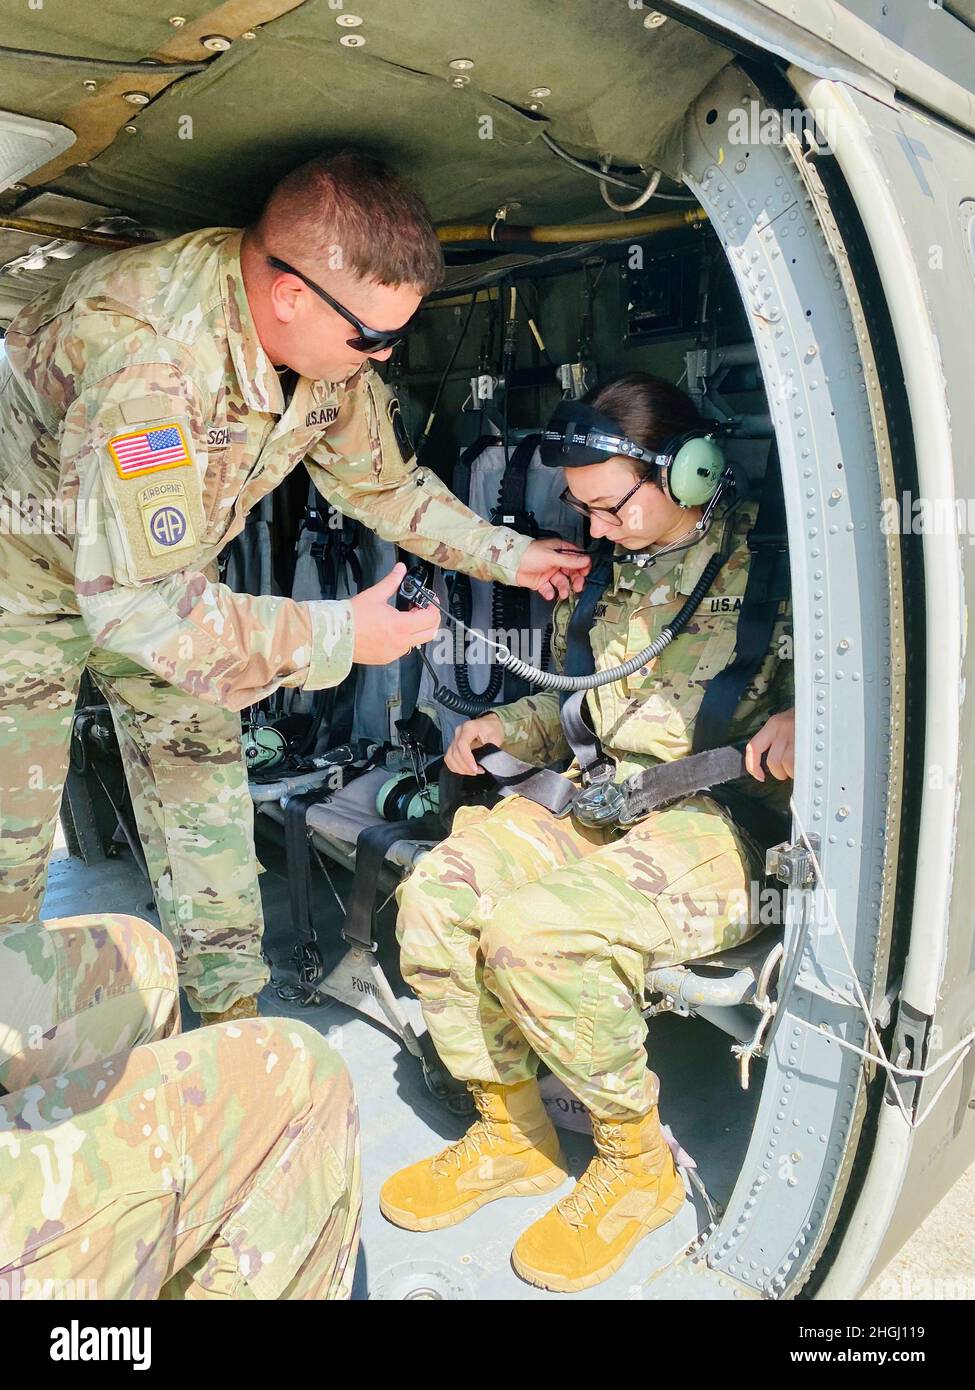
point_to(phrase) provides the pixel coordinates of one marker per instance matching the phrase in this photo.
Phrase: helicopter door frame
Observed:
(827, 408)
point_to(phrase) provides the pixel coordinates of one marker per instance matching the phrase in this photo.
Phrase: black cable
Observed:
(446, 373)
(74, 60)
(605, 176)
(568, 254)
(458, 601)
(586, 168)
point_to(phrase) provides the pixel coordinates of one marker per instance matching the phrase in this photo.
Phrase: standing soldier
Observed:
(149, 404)
(138, 1164)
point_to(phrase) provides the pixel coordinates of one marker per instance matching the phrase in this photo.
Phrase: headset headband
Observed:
(577, 435)
(693, 468)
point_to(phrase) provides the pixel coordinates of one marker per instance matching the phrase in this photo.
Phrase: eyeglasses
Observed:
(367, 339)
(610, 514)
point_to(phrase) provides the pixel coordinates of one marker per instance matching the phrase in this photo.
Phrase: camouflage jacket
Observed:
(649, 717)
(141, 420)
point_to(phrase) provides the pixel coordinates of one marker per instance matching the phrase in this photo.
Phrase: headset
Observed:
(404, 797)
(693, 469)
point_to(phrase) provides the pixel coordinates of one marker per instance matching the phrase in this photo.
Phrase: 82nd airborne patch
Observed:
(165, 518)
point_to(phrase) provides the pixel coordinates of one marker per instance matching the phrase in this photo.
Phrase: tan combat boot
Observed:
(629, 1189)
(511, 1151)
(240, 1008)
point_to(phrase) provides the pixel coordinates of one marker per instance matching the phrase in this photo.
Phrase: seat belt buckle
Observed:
(372, 947)
(601, 800)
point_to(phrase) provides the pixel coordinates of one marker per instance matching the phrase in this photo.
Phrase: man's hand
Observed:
(553, 568)
(473, 733)
(382, 634)
(778, 738)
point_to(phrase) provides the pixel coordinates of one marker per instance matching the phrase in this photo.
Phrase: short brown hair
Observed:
(358, 205)
(649, 410)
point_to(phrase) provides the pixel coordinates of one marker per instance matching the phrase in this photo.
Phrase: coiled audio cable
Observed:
(420, 596)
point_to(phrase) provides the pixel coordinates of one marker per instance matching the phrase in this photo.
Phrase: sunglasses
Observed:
(610, 514)
(366, 339)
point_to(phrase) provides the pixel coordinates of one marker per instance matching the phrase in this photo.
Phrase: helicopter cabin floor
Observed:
(401, 1122)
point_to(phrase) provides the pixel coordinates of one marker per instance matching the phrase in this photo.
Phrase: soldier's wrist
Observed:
(332, 642)
(507, 568)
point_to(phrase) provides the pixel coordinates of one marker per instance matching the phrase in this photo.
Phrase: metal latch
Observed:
(792, 864)
(908, 1050)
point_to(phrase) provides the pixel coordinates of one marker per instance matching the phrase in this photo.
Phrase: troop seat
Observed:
(336, 823)
(729, 988)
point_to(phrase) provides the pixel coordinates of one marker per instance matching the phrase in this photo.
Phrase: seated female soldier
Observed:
(529, 936)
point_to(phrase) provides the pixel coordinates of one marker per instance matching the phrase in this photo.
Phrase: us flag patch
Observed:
(148, 451)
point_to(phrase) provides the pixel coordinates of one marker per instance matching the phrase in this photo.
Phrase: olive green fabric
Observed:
(119, 30)
(265, 105)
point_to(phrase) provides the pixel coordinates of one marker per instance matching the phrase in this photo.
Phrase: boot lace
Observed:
(469, 1146)
(599, 1180)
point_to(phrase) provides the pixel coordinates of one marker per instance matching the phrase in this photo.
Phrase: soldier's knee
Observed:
(132, 951)
(513, 935)
(326, 1094)
(146, 955)
(317, 1059)
(410, 920)
(424, 907)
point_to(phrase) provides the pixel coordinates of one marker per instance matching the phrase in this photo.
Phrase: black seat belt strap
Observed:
(517, 778)
(512, 604)
(580, 661)
(298, 854)
(333, 549)
(642, 792)
(511, 509)
(370, 850)
(767, 585)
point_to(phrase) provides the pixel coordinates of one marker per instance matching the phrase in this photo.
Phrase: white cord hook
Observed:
(878, 1058)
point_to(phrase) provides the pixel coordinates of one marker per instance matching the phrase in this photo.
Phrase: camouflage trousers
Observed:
(138, 1164)
(526, 937)
(184, 768)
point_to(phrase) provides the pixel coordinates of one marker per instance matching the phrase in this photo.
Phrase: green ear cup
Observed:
(400, 798)
(696, 472)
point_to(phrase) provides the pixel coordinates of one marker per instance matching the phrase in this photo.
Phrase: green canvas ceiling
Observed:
(617, 88)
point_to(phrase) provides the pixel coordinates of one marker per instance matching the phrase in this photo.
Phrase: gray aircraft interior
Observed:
(803, 265)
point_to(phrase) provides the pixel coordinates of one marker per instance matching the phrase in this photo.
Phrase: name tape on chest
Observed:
(609, 610)
(614, 610)
(322, 415)
(149, 450)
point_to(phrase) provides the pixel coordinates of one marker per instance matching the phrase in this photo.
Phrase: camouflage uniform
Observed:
(138, 1164)
(529, 936)
(140, 421)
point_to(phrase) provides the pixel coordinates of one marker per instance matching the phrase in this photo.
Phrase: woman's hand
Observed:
(473, 733)
(778, 738)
